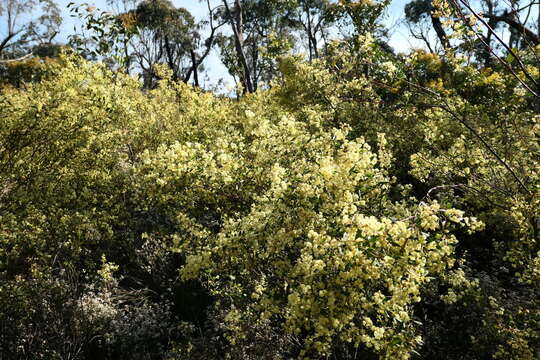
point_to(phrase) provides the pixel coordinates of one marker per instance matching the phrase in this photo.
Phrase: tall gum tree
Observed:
(26, 24)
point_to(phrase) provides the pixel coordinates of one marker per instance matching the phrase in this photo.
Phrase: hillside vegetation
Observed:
(344, 211)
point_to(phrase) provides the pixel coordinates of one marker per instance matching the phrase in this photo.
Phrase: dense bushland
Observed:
(339, 213)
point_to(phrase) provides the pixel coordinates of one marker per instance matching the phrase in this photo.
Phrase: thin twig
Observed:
(490, 29)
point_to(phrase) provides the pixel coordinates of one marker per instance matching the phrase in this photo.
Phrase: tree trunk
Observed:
(441, 34)
(237, 28)
(529, 34)
(195, 68)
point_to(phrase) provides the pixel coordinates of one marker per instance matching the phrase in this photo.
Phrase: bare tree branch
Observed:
(531, 36)
(22, 58)
(7, 39)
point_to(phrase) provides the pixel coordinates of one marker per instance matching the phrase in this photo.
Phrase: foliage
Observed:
(104, 35)
(364, 204)
(483, 160)
(167, 35)
(27, 24)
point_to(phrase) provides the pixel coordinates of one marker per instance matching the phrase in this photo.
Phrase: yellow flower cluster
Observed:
(294, 224)
(273, 202)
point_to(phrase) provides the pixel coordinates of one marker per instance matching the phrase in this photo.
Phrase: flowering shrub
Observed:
(291, 222)
(282, 225)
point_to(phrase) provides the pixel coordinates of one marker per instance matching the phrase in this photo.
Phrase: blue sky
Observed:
(400, 39)
(199, 11)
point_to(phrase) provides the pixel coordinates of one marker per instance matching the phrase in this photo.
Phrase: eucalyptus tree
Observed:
(488, 30)
(493, 17)
(261, 30)
(203, 45)
(26, 24)
(363, 16)
(315, 19)
(421, 18)
(165, 36)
